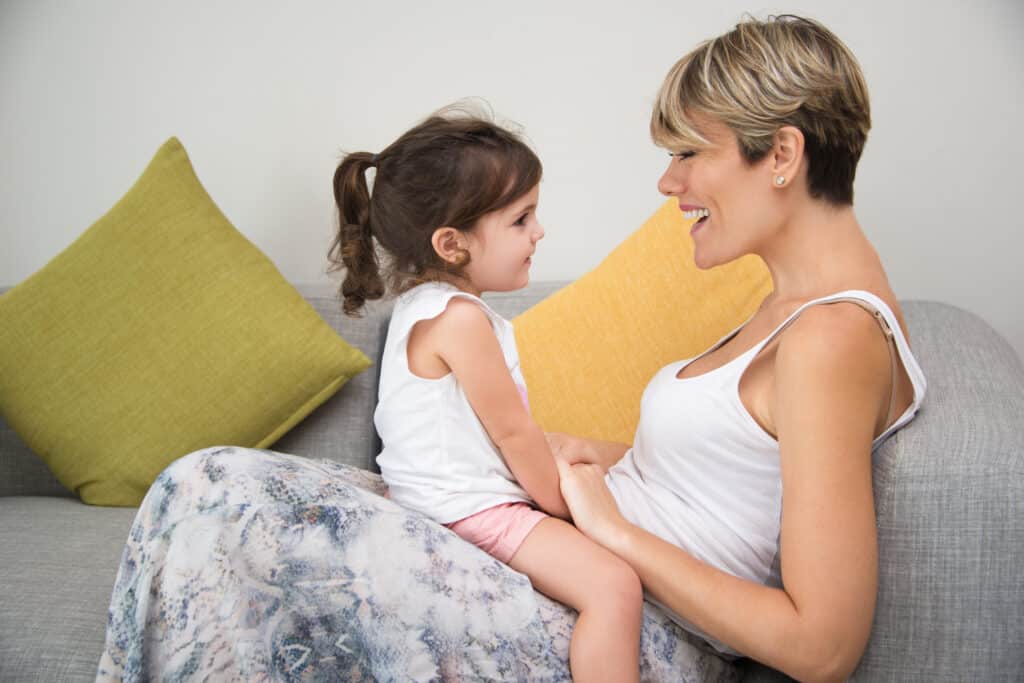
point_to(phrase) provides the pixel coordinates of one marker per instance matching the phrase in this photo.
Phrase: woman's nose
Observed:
(670, 183)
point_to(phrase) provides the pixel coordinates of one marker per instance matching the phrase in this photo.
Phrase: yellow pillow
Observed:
(159, 331)
(588, 351)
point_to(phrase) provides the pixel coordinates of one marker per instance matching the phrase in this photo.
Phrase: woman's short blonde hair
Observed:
(762, 75)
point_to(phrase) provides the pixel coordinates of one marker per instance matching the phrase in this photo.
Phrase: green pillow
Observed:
(159, 331)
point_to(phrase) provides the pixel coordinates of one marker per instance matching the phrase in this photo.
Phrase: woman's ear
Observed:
(449, 244)
(787, 155)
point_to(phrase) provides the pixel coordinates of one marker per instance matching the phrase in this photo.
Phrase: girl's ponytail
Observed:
(353, 249)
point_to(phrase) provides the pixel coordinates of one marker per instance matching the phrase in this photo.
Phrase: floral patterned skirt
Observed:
(250, 565)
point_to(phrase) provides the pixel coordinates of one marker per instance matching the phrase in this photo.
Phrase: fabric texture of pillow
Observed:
(589, 350)
(159, 331)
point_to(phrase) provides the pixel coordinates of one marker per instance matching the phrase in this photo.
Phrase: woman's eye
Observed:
(682, 155)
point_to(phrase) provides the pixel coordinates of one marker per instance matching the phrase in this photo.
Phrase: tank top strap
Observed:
(850, 296)
(895, 340)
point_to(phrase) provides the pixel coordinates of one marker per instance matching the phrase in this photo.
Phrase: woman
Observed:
(745, 503)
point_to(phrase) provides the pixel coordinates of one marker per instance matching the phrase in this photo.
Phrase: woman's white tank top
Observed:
(437, 458)
(704, 475)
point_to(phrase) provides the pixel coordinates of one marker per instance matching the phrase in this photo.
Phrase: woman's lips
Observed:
(698, 225)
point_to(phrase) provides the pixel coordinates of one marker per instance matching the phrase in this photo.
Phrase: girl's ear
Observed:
(449, 244)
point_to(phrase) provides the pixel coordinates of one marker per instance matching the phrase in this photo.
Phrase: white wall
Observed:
(266, 95)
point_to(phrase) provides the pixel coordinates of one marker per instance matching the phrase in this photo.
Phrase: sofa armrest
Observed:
(950, 502)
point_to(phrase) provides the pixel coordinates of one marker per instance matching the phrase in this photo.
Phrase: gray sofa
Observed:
(949, 491)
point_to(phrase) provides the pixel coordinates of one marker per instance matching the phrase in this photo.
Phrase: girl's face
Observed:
(735, 196)
(501, 245)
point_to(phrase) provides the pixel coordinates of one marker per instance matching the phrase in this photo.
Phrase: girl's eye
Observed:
(522, 219)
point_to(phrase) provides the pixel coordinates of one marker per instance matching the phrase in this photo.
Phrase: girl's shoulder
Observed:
(432, 300)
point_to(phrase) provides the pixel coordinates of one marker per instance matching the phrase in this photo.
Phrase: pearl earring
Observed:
(779, 180)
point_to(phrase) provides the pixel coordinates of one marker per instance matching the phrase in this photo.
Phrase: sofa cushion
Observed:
(589, 350)
(58, 559)
(159, 331)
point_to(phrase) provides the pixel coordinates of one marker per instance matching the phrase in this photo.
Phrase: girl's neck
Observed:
(463, 284)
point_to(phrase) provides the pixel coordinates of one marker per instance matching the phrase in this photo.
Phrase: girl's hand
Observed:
(593, 508)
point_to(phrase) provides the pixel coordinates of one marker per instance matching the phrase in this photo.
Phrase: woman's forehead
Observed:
(710, 128)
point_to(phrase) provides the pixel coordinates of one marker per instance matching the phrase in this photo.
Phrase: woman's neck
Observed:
(821, 250)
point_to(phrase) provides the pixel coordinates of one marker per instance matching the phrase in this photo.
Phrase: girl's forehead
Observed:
(528, 199)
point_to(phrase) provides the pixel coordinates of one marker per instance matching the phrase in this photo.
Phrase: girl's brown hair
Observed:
(450, 170)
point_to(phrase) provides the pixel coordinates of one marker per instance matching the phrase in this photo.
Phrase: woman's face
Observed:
(735, 195)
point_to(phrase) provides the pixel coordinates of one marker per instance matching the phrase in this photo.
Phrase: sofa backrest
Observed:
(342, 428)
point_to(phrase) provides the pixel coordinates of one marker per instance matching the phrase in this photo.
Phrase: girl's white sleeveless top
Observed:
(437, 458)
(704, 475)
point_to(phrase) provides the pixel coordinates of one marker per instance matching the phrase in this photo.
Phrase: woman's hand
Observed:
(593, 508)
(573, 450)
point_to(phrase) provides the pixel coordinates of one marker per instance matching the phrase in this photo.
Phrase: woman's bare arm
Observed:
(832, 379)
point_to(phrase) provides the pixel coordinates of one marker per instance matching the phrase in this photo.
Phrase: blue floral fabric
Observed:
(247, 565)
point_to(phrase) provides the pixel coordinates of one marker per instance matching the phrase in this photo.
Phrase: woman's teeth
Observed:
(696, 213)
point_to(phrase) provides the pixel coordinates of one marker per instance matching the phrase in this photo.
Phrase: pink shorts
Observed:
(499, 530)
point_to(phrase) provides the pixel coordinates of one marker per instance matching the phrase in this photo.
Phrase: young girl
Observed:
(453, 212)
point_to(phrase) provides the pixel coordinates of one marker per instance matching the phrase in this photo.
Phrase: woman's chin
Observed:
(703, 261)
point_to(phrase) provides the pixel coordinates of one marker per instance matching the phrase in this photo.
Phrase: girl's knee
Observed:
(620, 587)
(627, 582)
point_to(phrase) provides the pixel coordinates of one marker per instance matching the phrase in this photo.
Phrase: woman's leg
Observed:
(253, 565)
(247, 564)
(565, 565)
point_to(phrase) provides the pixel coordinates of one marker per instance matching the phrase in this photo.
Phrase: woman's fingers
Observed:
(592, 506)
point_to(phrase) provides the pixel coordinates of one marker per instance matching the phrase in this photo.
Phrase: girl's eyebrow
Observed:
(523, 209)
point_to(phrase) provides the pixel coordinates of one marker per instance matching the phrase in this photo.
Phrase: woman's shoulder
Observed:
(845, 330)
